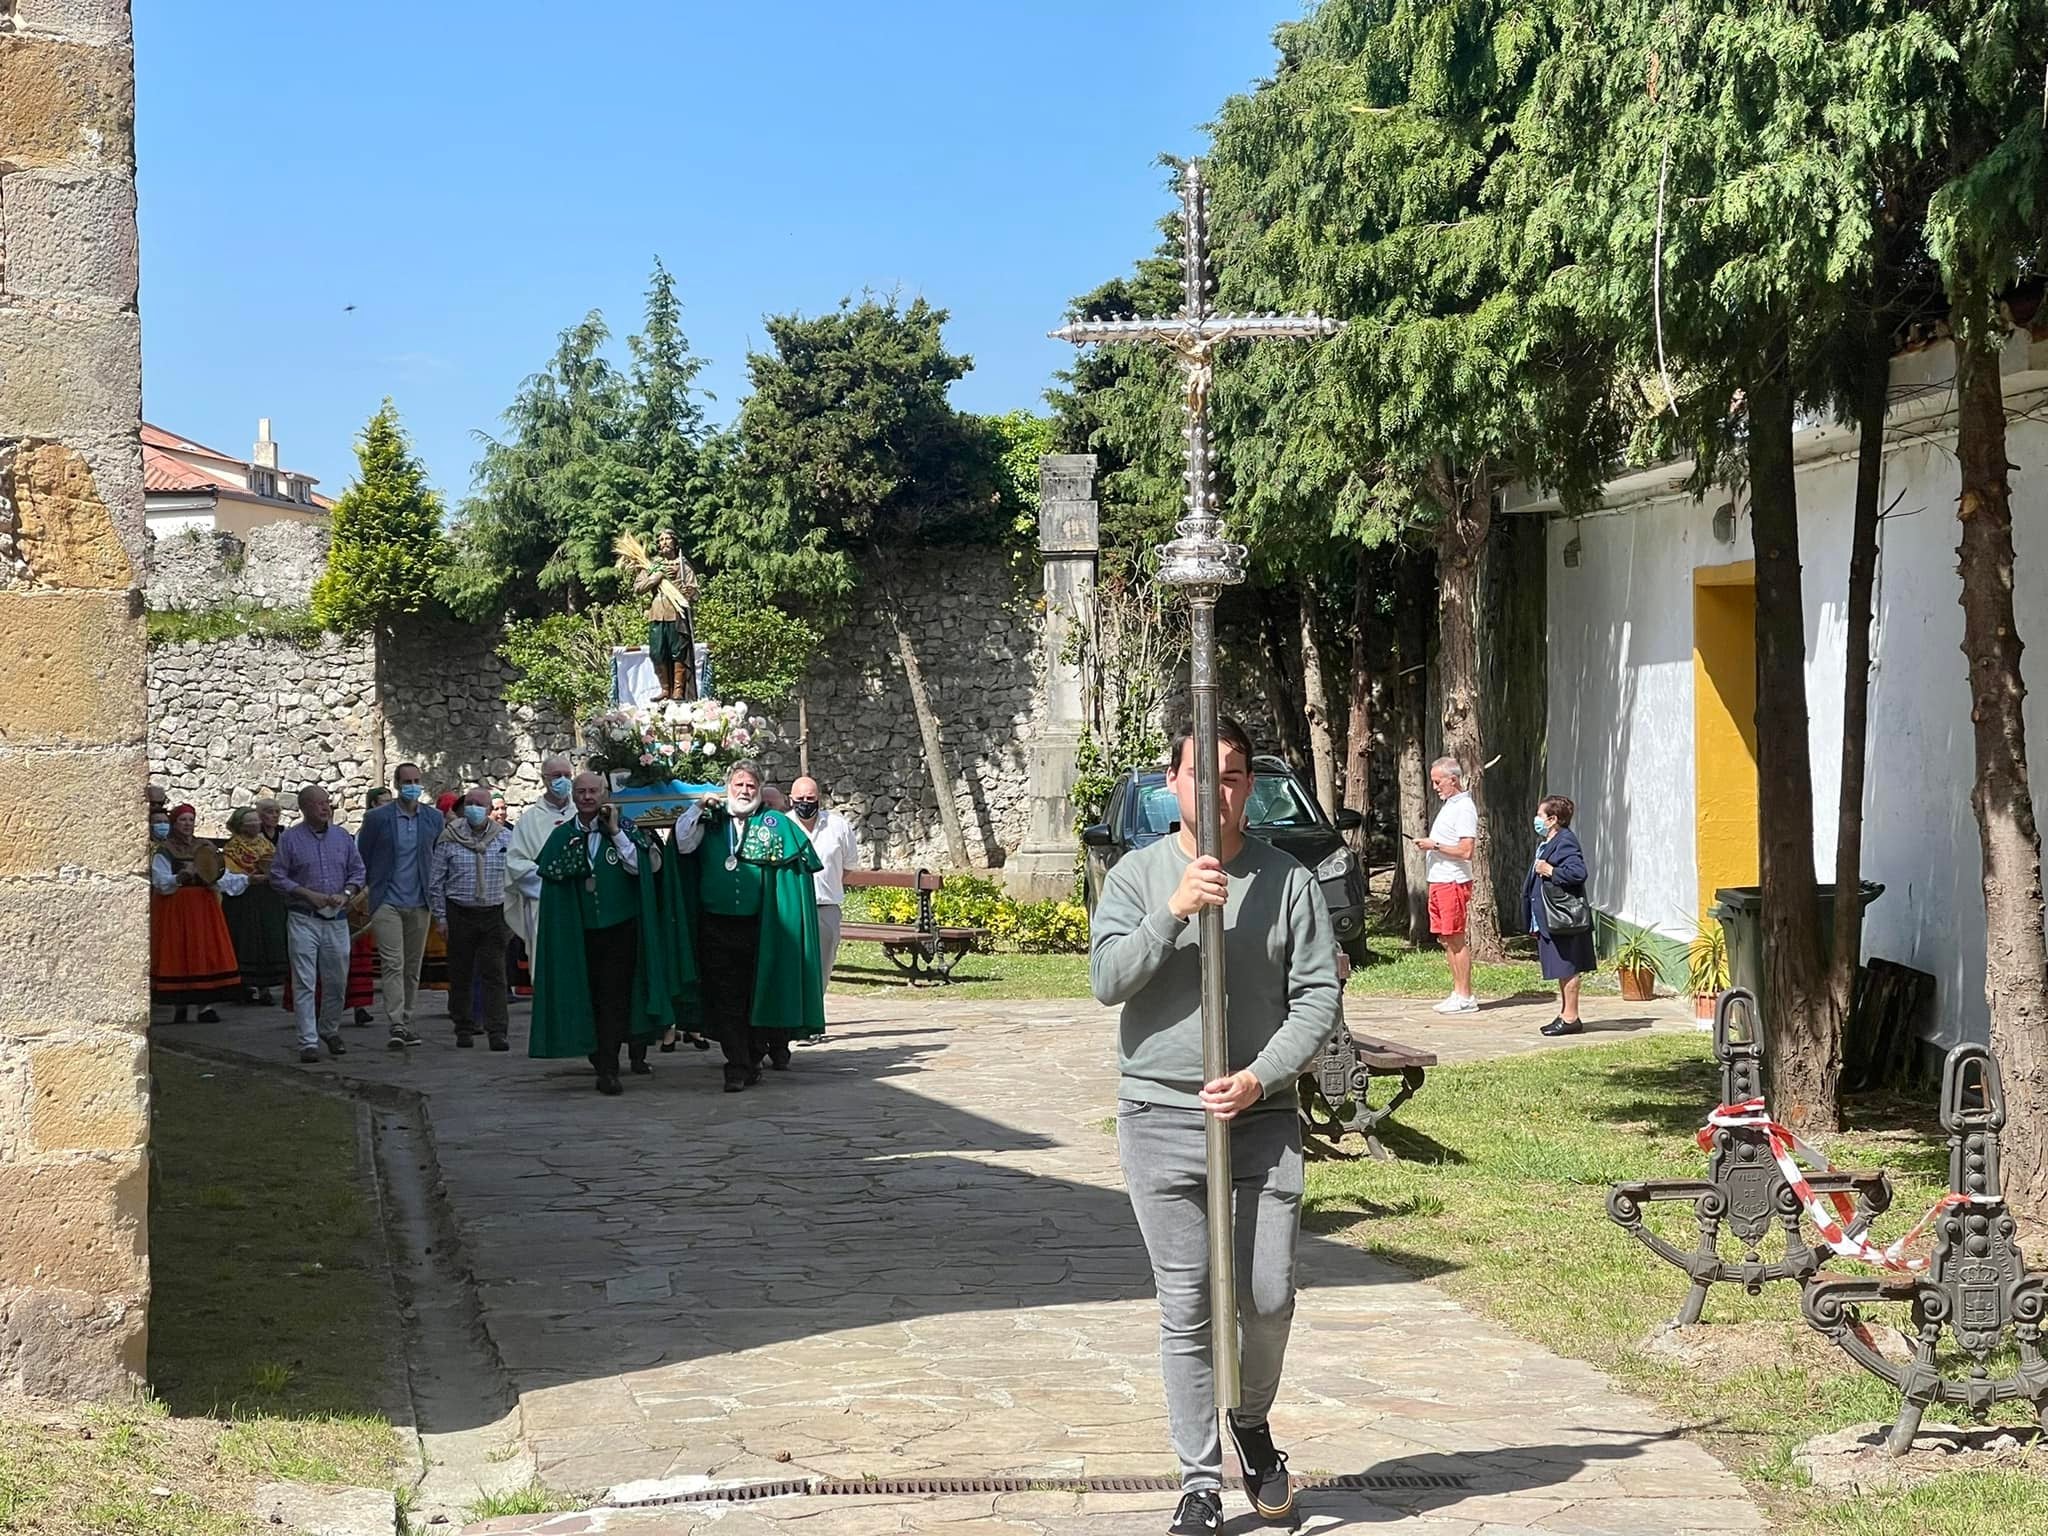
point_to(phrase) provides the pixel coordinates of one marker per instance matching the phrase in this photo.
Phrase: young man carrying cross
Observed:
(1280, 956)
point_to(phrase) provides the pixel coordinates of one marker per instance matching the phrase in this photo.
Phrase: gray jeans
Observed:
(1160, 1147)
(319, 948)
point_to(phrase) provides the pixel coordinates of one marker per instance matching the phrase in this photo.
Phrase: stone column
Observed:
(1069, 546)
(74, 906)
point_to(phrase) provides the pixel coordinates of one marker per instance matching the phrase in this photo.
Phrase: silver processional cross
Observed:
(1204, 563)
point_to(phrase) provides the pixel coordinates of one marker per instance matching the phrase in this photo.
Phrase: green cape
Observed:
(789, 985)
(676, 890)
(562, 1021)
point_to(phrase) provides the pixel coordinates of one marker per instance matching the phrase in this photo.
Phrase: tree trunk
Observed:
(803, 736)
(1358, 721)
(1280, 688)
(1315, 694)
(1804, 1032)
(934, 748)
(1467, 509)
(1411, 768)
(1870, 409)
(2015, 957)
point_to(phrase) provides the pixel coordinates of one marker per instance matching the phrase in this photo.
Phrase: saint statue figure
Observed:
(671, 637)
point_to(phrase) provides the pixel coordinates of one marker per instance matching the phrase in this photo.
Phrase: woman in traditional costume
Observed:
(191, 957)
(257, 920)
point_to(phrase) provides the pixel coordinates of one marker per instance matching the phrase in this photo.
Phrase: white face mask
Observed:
(735, 806)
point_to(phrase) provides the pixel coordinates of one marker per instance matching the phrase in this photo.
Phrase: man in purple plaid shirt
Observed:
(318, 872)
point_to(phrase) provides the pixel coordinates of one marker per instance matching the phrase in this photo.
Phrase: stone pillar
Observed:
(74, 906)
(1069, 545)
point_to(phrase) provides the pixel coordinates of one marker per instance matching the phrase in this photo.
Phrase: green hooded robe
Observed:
(573, 897)
(775, 862)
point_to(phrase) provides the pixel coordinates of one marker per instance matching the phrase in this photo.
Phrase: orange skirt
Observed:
(191, 957)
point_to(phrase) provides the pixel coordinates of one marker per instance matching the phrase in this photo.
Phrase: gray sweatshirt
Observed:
(1280, 973)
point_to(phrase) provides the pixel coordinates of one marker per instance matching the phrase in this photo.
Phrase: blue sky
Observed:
(473, 178)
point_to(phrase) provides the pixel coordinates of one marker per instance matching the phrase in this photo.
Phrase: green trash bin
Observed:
(1740, 909)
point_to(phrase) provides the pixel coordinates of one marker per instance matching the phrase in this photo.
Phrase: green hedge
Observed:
(209, 626)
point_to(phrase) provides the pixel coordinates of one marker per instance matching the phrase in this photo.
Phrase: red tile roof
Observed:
(163, 469)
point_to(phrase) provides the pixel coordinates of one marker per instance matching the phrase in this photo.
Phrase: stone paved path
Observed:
(910, 1254)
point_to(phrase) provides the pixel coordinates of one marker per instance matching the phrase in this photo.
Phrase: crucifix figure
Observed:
(1203, 562)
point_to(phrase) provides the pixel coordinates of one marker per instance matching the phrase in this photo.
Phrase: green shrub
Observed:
(975, 901)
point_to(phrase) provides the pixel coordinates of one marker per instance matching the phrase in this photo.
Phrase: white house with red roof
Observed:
(189, 486)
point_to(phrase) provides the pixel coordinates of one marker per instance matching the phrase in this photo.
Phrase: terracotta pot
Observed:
(1638, 986)
(1704, 1004)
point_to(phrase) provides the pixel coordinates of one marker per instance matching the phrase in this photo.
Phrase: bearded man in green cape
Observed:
(601, 972)
(755, 925)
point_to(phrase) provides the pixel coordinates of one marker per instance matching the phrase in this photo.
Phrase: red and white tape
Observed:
(1833, 1226)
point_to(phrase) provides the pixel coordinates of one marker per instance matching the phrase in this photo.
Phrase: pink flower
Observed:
(646, 759)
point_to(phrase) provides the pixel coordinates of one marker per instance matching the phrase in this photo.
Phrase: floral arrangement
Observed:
(691, 741)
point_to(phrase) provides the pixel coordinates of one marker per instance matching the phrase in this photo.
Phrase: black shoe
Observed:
(640, 1067)
(778, 1057)
(735, 1080)
(500, 1043)
(609, 1085)
(403, 1039)
(1562, 1026)
(466, 1039)
(698, 1041)
(1266, 1482)
(265, 1000)
(363, 1019)
(1200, 1513)
(334, 1045)
(209, 1016)
(753, 1076)
(308, 1055)
(667, 1047)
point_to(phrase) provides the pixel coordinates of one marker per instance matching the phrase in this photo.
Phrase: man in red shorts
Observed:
(1448, 853)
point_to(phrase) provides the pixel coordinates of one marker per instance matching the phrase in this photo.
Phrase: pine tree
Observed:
(387, 548)
(668, 421)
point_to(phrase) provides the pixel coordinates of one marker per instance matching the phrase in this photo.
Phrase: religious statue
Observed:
(671, 637)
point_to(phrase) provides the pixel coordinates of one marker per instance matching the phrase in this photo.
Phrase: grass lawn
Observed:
(1505, 1169)
(273, 1344)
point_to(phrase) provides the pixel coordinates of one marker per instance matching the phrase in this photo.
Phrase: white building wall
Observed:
(1620, 720)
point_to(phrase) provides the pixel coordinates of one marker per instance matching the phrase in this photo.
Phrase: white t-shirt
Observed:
(838, 851)
(1458, 820)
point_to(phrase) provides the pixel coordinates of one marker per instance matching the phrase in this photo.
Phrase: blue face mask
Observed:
(476, 815)
(410, 792)
(1542, 827)
(560, 787)
(159, 830)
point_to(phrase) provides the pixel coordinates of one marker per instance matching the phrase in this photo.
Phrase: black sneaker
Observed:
(363, 1019)
(1265, 1470)
(308, 1055)
(334, 1045)
(500, 1043)
(403, 1039)
(1200, 1513)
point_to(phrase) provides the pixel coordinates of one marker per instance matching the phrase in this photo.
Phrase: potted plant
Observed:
(1635, 961)
(1706, 967)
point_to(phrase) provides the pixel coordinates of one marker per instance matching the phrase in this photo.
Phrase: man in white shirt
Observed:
(535, 826)
(1448, 854)
(838, 851)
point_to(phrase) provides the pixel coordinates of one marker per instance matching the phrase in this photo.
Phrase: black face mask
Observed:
(804, 808)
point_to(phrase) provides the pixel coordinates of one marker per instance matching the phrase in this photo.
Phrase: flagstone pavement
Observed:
(910, 1255)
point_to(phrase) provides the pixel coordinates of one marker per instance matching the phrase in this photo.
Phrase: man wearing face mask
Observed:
(397, 844)
(466, 888)
(600, 978)
(838, 851)
(530, 834)
(756, 926)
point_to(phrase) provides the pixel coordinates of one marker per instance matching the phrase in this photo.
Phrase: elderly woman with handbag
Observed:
(1554, 896)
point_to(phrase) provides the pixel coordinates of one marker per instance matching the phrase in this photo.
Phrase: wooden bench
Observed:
(1335, 1092)
(925, 953)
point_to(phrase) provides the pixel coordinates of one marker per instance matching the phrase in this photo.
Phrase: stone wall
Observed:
(274, 566)
(972, 616)
(74, 907)
(234, 719)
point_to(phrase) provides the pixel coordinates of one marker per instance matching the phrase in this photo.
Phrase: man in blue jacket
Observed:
(397, 844)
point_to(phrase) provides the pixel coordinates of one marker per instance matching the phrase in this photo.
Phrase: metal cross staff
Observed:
(1201, 561)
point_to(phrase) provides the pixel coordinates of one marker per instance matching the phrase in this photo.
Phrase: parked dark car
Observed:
(1283, 811)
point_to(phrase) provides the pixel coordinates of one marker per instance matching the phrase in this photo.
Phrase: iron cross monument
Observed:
(1204, 563)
